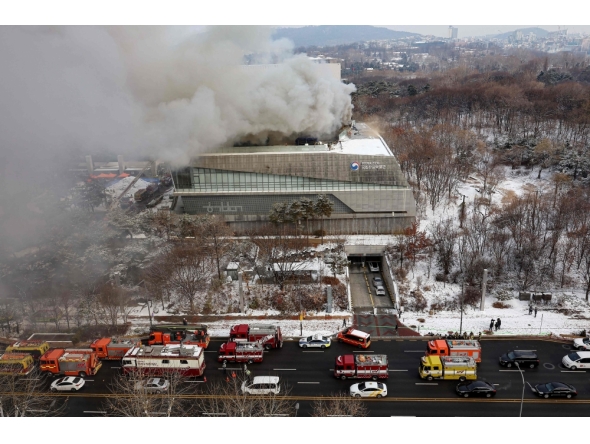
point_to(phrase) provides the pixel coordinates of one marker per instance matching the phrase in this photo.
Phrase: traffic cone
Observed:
(204, 378)
(227, 379)
(233, 375)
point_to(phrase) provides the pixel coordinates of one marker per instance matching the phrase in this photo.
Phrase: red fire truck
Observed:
(455, 347)
(175, 334)
(111, 348)
(241, 352)
(70, 362)
(269, 336)
(361, 367)
(188, 360)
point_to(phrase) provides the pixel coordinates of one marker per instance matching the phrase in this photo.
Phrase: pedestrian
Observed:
(344, 323)
(184, 321)
(530, 309)
(479, 336)
(249, 375)
(498, 323)
(492, 322)
(396, 327)
(535, 311)
(224, 368)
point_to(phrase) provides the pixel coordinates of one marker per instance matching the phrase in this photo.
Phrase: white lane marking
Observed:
(511, 370)
(398, 370)
(426, 383)
(573, 371)
(214, 414)
(414, 351)
(37, 411)
(115, 367)
(285, 369)
(308, 383)
(313, 351)
(496, 384)
(93, 411)
(89, 380)
(401, 416)
(363, 351)
(192, 382)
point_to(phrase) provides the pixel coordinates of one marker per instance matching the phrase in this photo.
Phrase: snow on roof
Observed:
(117, 188)
(360, 334)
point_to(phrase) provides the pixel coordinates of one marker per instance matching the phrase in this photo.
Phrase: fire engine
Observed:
(16, 364)
(111, 348)
(241, 352)
(188, 360)
(447, 367)
(35, 348)
(70, 362)
(354, 337)
(269, 336)
(361, 367)
(459, 347)
(175, 334)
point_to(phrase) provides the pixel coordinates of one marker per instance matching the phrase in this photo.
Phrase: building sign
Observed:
(373, 166)
(354, 166)
(223, 208)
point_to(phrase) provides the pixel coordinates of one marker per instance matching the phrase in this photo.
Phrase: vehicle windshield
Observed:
(573, 356)
(550, 387)
(586, 340)
(76, 380)
(511, 355)
(362, 386)
(309, 338)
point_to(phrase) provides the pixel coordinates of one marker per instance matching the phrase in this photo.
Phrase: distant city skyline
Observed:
(479, 30)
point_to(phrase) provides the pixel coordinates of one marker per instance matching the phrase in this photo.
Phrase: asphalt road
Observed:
(307, 374)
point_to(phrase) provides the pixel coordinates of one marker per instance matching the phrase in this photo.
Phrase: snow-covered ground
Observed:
(117, 188)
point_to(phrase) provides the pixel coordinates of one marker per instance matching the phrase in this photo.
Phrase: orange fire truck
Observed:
(269, 336)
(16, 364)
(35, 348)
(455, 347)
(188, 360)
(361, 367)
(111, 348)
(175, 334)
(70, 362)
(241, 352)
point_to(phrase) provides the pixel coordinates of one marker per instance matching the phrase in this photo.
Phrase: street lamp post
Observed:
(462, 297)
(522, 397)
(148, 302)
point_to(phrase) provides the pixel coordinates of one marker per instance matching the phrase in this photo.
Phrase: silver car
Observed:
(379, 290)
(153, 385)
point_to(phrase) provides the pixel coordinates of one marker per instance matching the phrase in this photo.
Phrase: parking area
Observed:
(362, 288)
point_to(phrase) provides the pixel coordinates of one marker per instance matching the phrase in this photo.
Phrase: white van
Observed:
(262, 385)
(576, 360)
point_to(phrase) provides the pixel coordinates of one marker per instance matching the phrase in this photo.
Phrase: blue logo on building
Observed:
(354, 166)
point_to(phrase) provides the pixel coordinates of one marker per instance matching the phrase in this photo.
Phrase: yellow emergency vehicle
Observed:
(447, 367)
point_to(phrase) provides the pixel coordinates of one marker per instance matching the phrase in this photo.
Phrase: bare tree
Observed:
(339, 404)
(226, 399)
(190, 270)
(27, 396)
(218, 236)
(132, 398)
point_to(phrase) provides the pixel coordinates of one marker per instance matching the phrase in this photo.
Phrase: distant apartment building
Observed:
(453, 32)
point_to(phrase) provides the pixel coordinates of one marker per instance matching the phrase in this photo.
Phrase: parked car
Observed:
(262, 385)
(582, 343)
(153, 385)
(368, 389)
(373, 267)
(354, 337)
(524, 358)
(377, 281)
(577, 360)
(67, 384)
(316, 340)
(475, 388)
(551, 389)
(380, 291)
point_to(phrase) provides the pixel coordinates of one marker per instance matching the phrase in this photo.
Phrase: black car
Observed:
(555, 389)
(475, 388)
(523, 358)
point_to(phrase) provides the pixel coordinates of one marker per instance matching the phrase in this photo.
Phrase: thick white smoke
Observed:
(146, 90)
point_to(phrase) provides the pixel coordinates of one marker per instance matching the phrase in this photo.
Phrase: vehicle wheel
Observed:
(343, 377)
(466, 395)
(462, 378)
(304, 346)
(532, 366)
(573, 367)
(568, 396)
(430, 378)
(339, 340)
(546, 395)
(323, 346)
(82, 374)
(509, 365)
(360, 346)
(374, 378)
(379, 396)
(357, 396)
(488, 395)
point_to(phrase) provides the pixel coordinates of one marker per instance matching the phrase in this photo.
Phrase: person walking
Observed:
(492, 322)
(344, 323)
(530, 309)
(184, 321)
(249, 375)
(224, 368)
(479, 336)
(498, 323)
(535, 311)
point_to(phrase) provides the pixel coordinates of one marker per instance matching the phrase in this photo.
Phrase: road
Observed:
(307, 374)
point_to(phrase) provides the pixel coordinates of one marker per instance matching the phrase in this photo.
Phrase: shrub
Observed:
(499, 304)
(319, 233)
(330, 280)
(400, 273)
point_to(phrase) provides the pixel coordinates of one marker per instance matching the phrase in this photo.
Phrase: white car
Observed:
(582, 344)
(316, 340)
(262, 385)
(368, 390)
(373, 267)
(379, 290)
(67, 384)
(576, 360)
(153, 385)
